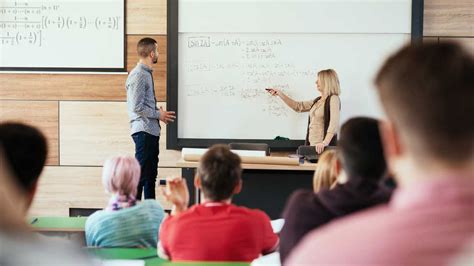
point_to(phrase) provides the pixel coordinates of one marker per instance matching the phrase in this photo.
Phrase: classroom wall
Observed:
(85, 118)
(450, 20)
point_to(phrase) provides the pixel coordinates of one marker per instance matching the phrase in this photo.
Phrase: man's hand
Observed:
(176, 192)
(167, 117)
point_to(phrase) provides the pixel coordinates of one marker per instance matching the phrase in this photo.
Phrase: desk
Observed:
(71, 228)
(149, 256)
(122, 253)
(265, 187)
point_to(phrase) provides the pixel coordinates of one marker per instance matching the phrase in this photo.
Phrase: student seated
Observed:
(215, 230)
(325, 175)
(427, 91)
(25, 151)
(124, 222)
(361, 168)
(22, 156)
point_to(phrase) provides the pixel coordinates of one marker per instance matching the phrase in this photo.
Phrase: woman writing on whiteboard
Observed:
(323, 111)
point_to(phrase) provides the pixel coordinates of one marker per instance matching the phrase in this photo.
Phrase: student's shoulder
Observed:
(187, 215)
(250, 213)
(301, 200)
(96, 215)
(302, 195)
(96, 218)
(366, 224)
(151, 204)
(146, 207)
(137, 73)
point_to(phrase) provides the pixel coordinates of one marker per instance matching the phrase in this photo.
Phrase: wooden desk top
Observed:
(302, 167)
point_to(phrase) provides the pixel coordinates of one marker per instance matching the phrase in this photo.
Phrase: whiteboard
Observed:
(295, 16)
(223, 78)
(229, 51)
(62, 35)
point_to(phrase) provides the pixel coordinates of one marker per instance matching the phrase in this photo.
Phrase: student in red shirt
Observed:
(215, 230)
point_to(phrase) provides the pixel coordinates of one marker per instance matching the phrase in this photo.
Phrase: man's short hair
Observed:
(145, 46)
(427, 91)
(25, 149)
(360, 149)
(220, 172)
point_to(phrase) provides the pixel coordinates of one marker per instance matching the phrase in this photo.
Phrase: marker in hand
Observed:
(272, 91)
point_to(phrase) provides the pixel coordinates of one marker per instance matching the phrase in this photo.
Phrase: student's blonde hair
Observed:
(329, 82)
(325, 175)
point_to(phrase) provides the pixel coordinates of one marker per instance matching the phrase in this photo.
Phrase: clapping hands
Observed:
(176, 192)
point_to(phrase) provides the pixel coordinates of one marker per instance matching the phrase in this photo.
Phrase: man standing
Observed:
(145, 116)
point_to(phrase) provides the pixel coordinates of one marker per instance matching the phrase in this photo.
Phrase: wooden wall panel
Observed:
(41, 114)
(468, 43)
(61, 188)
(430, 39)
(449, 18)
(146, 17)
(91, 87)
(93, 131)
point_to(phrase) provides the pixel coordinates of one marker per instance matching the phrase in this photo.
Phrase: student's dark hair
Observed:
(25, 149)
(145, 46)
(427, 90)
(220, 172)
(360, 149)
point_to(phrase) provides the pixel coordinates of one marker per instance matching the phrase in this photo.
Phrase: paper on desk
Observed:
(272, 259)
(123, 263)
(277, 225)
(196, 151)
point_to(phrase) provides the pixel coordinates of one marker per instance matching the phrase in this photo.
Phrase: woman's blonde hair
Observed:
(329, 82)
(325, 175)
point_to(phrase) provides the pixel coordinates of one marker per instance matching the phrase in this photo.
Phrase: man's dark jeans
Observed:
(147, 149)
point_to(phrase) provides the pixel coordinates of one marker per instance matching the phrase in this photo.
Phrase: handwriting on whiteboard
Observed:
(255, 60)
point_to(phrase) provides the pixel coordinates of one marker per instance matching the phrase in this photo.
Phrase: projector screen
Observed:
(62, 35)
(221, 61)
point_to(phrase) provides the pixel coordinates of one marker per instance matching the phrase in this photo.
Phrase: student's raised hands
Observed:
(176, 192)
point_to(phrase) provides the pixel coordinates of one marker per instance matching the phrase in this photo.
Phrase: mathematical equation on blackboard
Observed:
(22, 23)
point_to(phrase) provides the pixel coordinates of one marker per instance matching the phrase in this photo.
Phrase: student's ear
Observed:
(390, 139)
(197, 181)
(237, 188)
(391, 143)
(31, 195)
(338, 167)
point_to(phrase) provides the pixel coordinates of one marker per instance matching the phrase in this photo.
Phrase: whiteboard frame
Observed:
(173, 142)
(82, 70)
